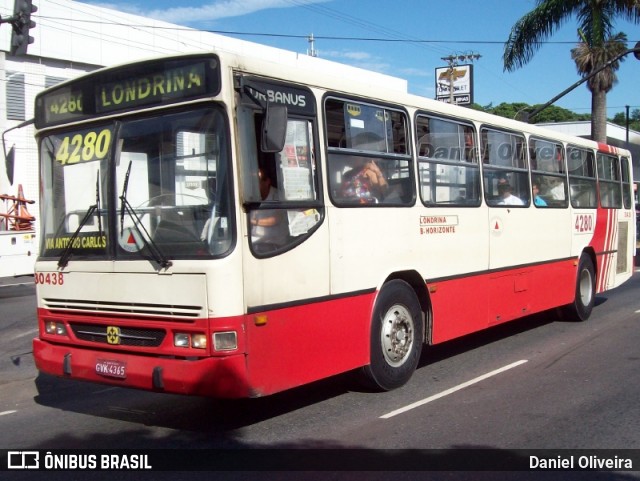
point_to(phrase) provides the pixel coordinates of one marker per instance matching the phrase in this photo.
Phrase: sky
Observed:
(408, 39)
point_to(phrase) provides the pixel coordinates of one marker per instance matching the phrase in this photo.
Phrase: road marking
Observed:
(102, 391)
(4, 413)
(18, 284)
(452, 390)
(126, 410)
(23, 334)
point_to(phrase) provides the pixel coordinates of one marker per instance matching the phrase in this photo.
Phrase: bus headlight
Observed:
(225, 341)
(54, 327)
(181, 340)
(196, 341)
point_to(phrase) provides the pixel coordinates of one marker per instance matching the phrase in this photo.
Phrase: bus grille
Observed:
(124, 308)
(128, 336)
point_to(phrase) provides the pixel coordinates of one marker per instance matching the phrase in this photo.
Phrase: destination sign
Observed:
(176, 83)
(120, 89)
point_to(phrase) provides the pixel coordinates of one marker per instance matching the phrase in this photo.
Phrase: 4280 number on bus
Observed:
(83, 146)
(584, 223)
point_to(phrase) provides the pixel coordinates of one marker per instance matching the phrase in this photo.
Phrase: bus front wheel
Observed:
(397, 332)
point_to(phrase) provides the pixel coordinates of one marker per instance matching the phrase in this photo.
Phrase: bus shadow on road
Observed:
(214, 421)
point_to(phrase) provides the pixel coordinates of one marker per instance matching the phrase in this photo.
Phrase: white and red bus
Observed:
(228, 226)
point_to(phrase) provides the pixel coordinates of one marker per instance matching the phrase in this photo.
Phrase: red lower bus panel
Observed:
(213, 376)
(302, 344)
(295, 346)
(465, 305)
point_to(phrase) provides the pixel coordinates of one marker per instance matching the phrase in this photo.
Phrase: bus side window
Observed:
(506, 175)
(369, 163)
(609, 181)
(271, 181)
(548, 173)
(582, 178)
(448, 169)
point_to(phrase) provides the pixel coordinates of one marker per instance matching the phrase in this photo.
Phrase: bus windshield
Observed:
(152, 187)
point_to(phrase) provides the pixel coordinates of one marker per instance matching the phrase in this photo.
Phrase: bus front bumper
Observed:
(223, 377)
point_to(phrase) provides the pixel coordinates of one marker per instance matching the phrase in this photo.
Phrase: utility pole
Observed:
(312, 52)
(626, 108)
(453, 61)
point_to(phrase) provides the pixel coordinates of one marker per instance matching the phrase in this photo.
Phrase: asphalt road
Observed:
(537, 383)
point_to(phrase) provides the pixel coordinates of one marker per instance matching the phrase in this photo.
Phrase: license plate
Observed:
(111, 368)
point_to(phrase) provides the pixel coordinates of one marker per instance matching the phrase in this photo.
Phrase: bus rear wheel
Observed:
(585, 296)
(397, 332)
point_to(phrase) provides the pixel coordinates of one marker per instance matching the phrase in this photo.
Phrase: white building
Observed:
(72, 38)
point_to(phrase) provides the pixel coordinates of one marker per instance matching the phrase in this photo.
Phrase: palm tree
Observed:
(587, 59)
(598, 43)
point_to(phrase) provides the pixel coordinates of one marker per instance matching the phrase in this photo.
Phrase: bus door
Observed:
(285, 244)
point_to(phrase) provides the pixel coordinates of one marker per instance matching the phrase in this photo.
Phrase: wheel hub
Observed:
(397, 335)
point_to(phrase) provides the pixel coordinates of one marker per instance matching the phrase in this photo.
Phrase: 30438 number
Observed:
(50, 278)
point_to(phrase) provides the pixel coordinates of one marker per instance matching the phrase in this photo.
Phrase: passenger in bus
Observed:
(268, 226)
(505, 190)
(364, 182)
(537, 200)
(556, 189)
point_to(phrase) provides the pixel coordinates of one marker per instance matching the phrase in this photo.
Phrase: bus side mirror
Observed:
(9, 160)
(274, 128)
(9, 157)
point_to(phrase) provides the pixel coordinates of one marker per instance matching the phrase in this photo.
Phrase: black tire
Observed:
(585, 297)
(397, 333)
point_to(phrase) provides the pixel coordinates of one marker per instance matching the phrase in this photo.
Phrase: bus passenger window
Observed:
(447, 164)
(369, 162)
(506, 176)
(582, 178)
(609, 181)
(548, 173)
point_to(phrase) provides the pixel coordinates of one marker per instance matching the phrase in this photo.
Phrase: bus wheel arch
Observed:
(419, 286)
(396, 336)
(585, 289)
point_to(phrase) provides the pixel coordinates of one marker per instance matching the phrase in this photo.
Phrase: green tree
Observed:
(554, 113)
(598, 43)
(634, 119)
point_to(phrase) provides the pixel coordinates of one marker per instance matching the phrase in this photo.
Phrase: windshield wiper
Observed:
(146, 238)
(66, 254)
(148, 242)
(123, 197)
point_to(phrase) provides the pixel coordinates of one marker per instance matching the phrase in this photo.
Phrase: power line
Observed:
(306, 35)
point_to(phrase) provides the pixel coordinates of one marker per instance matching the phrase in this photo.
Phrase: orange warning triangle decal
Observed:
(131, 239)
(497, 227)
